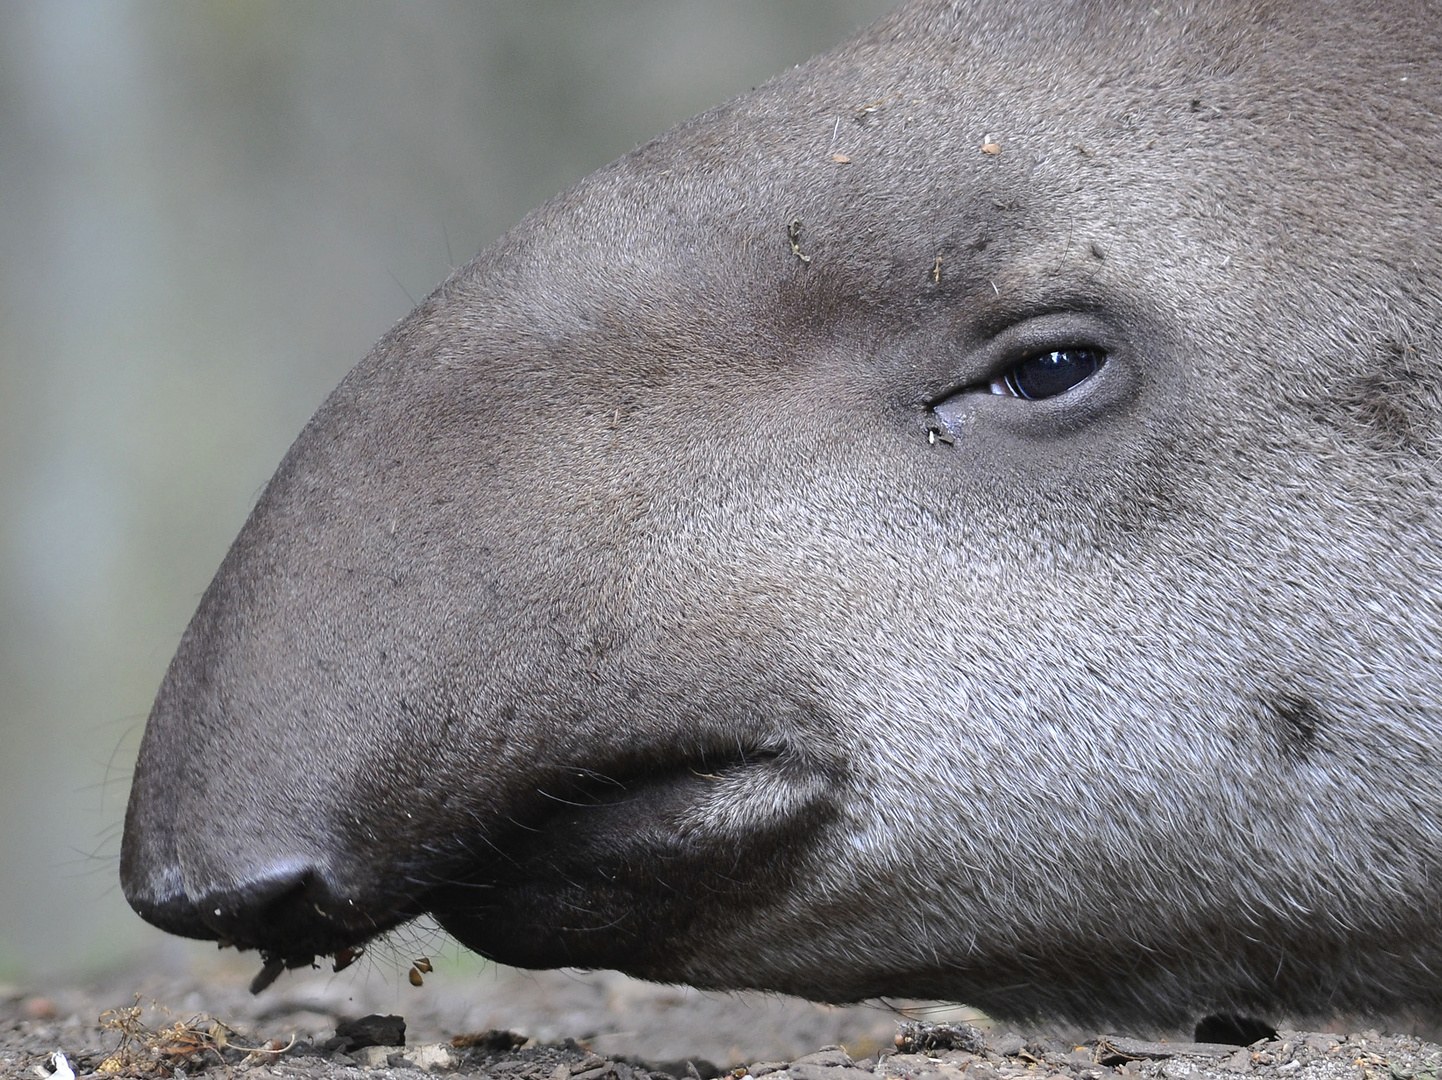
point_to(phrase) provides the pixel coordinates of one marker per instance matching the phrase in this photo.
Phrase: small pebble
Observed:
(39, 1008)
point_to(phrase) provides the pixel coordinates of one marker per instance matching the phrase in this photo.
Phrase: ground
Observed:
(183, 1019)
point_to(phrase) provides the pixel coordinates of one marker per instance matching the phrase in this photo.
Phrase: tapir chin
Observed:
(960, 521)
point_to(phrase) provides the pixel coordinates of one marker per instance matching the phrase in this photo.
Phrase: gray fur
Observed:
(666, 592)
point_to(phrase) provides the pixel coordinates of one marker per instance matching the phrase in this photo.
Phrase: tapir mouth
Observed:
(592, 867)
(616, 873)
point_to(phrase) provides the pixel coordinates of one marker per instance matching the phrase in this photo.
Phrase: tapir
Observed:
(960, 521)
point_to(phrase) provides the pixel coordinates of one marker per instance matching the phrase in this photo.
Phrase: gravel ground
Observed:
(200, 1019)
(609, 1013)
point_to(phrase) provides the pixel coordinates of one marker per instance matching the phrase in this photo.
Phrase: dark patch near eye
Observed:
(1392, 406)
(1295, 723)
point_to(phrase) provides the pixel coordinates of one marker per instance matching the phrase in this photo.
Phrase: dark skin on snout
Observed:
(960, 522)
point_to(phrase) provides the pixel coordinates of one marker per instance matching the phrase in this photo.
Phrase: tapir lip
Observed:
(488, 890)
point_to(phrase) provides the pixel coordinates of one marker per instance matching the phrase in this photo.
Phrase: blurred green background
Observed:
(208, 212)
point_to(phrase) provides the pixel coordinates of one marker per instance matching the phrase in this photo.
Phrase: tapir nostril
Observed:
(293, 912)
(275, 896)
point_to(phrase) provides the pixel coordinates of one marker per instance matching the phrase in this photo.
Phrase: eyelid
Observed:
(983, 366)
(990, 364)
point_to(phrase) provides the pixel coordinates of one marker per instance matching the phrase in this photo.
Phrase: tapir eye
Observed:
(1046, 374)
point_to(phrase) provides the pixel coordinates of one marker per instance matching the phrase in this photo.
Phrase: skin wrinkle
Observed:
(619, 610)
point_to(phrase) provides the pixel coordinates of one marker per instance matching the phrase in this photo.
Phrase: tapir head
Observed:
(961, 521)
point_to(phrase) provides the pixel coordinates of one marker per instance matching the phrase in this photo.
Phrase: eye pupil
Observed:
(1048, 374)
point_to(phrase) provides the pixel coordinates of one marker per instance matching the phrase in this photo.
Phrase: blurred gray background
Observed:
(208, 212)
